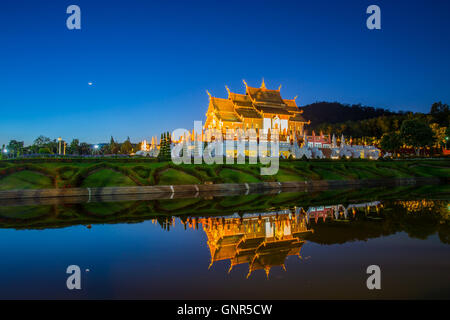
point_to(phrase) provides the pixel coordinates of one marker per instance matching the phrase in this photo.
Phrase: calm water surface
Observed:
(287, 246)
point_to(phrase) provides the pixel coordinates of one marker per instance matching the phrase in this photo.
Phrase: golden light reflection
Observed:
(262, 242)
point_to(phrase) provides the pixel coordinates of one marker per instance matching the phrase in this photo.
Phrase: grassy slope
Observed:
(26, 175)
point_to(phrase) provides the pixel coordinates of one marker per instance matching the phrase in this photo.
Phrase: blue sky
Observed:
(151, 62)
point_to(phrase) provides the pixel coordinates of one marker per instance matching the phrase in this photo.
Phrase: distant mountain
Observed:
(335, 112)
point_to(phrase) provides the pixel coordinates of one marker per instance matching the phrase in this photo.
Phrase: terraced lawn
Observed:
(25, 180)
(107, 172)
(107, 178)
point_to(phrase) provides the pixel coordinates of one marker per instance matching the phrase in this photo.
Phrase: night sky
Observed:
(151, 62)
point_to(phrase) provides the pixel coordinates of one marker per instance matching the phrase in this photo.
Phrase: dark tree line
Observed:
(395, 129)
(45, 146)
(328, 113)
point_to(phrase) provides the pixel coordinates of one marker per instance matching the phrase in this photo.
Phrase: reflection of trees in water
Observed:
(419, 219)
(336, 223)
(265, 240)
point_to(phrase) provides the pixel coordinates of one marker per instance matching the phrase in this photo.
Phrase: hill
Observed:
(335, 112)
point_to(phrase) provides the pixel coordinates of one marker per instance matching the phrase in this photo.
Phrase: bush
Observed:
(44, 151)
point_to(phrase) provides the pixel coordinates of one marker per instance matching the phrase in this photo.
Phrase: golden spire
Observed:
(267, 269)
(295, 97)
(245, 83)
(209, 94)
(263, 84)
(279, 88)
(228, 89)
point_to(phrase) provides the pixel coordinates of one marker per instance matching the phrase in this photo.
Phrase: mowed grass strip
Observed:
(107, 178)
(26, 180)
(172, 176)
(110, 173)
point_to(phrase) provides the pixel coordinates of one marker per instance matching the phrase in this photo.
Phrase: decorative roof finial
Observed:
(245, 83)
(209, 94)
(295, 98)
(279, 88)
(228, 89)
(267, 269)
(263, 84)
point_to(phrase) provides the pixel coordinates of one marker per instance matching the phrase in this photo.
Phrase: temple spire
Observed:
(263, 84)
(267, 269)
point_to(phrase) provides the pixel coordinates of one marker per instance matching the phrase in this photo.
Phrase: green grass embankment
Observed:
(24, 174)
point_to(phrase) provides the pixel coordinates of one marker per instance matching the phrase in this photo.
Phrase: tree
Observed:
(113, 146)
(164, 147)
(447, 136)
(439, 134)
(391, 142)
(126, 147)
(85, 148)
(440, 114)
(417, 134)
(15, 147)
(41, 141)
(74, 147)
(44, 150)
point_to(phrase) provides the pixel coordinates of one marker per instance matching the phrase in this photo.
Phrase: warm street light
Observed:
(59, 145)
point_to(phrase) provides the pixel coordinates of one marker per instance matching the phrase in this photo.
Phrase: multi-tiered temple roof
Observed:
(258, 108)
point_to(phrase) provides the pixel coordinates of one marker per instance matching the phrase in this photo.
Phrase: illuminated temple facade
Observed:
(260, 108)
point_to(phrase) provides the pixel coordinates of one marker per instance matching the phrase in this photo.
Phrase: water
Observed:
(309, 245)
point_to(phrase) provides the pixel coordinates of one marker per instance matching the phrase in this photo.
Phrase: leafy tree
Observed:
(439, 134)
(41, 141)
(45, 150)
(74, 147)
(447, 136)
(391, 142)
(85, 148)
(417, 134)
(440, 114)
(126, 147)
(15, 147)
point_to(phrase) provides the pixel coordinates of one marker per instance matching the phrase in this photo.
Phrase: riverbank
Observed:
(36, 213)
(100, 173)
(194, 190)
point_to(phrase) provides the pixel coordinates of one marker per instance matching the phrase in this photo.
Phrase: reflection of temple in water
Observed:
(265, 240)
(259, 241)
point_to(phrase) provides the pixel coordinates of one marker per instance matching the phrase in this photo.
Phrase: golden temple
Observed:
(259, 108)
